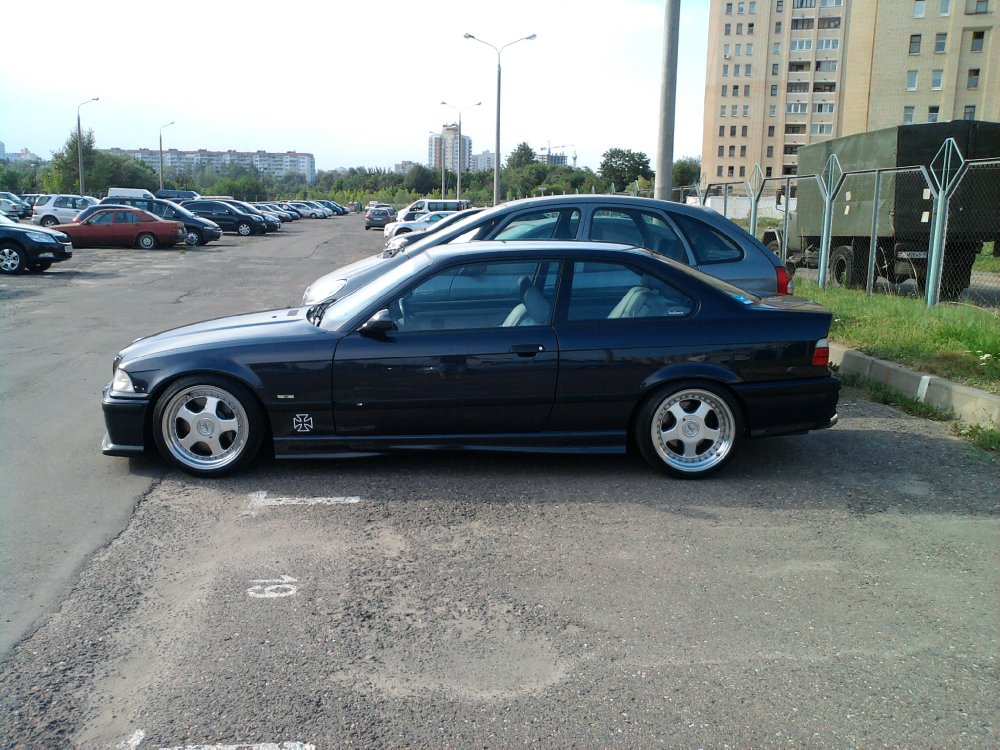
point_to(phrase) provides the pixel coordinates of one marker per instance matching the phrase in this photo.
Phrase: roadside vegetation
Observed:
(954, 341)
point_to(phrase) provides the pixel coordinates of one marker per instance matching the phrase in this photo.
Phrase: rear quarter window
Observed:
(708, 244)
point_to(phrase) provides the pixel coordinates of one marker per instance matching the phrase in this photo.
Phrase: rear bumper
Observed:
(125, 420)
(789, 407)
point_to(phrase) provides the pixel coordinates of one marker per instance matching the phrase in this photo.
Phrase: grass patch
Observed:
(958, 342)
(986, 261)
(986, 438)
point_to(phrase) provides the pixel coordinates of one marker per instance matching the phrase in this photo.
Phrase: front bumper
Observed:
(125, 419)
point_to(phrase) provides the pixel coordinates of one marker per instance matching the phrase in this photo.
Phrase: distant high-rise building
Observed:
(444, 147)
(3, 152)
(482, 162)
(404, 166)
(271, 163)
(786, 73)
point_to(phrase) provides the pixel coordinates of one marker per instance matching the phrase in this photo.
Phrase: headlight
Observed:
(308, 298)
(258, 219)
(43, 237)
(121, 383)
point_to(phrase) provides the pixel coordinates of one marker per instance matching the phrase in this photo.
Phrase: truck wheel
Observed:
(775, 247)
(956, 275)
(843, 268)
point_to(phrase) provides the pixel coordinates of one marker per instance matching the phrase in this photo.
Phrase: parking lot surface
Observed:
(832, 590)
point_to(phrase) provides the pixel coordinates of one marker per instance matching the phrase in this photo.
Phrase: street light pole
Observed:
(161, 150)
(79, 139)
(496, 155)
(458, 182)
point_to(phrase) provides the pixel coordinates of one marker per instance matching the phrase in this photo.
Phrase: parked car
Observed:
(416, 225)
(309, 210)
(538, 346)
(50, 210)
(397, 243)
(30, 198)
(693, 235)
(281, 213)
(22, 207)
(229, 218)
(177, 195)
(271, 222)
(124, 227)
(198, 230)
(335, 207)
(425, 205)
(377, 217)
(326, 212)
(10, 209)
(29, 248)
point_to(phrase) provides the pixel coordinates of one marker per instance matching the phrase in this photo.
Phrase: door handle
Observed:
(527, 350)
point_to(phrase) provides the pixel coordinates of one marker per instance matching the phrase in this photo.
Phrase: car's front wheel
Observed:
(11, 259)
(193, 237)
(147, 241)
(208, 425)
(244, 229)
(689, 430)
(49, 221)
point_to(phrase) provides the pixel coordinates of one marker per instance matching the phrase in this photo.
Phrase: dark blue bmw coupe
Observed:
(536, 346)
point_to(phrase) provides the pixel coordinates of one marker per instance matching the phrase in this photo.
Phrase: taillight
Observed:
(785, 283)
(821, 354)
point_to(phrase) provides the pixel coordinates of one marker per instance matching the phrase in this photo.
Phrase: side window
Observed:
(104, 217)
(554, 224)
(479, 295)
(639, 228)
(63, 202)
(126, 217)
(611, 291)
(708, 244)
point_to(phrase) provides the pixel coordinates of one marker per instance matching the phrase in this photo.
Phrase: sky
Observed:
(355, 84)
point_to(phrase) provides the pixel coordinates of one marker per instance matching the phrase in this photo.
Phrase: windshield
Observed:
(346, 308)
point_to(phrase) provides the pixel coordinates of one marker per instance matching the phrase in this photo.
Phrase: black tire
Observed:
(147, 241)
(244, 229)
(689, 429)
(775, 247)
(193, 237)
(12, 259)
(367, 228)
(403, 231)
(39, 266)
(49, 221)
(227, 417)
(844, 269)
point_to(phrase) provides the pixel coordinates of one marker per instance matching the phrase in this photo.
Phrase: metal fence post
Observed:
(951, 174)
(830, 181)
(873, 241)
(754, 187)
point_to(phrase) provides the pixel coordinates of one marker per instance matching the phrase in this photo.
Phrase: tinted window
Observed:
(636, 227)
(558, 224)
(708, 244)
(63, 202)
(127, 217)
(611, 291)
(102, 217)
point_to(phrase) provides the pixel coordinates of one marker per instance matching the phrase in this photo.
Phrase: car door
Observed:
(124, 230)
(463, 360)
(95, 231)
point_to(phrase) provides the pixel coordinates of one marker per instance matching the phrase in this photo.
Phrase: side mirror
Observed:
(378, 324)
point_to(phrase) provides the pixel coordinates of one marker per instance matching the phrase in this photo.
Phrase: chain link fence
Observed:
(972, 251)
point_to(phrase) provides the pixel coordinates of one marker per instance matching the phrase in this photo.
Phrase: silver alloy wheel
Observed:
(193, 237)
(10, 260)
(205, 427)
(692, 430)
(147, 241)
(244, 229)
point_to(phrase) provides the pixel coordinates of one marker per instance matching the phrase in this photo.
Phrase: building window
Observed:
(725, 51)
(746, 110)
(770, 131)
(753, 7)
(940, 42)
(797, 87)
(767, 172)
(945, 8)
(796, 108)
(722, 131)
(918, 8)
(750, 49)
(822, 128)
(722, 151)
(914, 44)
(970, 112)
(803, 4)
(743, 171)
(770, 151)
(823, 108)
(777, 27)
(981, 6)
(932, 113)
(722, 111)
(973, 80)
(746, 70)
(739, 50)
(911, 81)
(743, 150)
(798, 67)
(830, 3)
(779, 6)
(978, 37)
(729, 172)
(774, 69)
(777, 48)
(743, 131)
(739, 29)
(732, 131)
(936, 76)
(774, 89)
(907, 115)
(736, 69)
(800, 45)
(790, 150)
(740, 7)
(734, 110)
(746, 90)
(829, 22)
(772, 111)
(727, 30)
(827, 43)
(725, 70)
(800, 24)
(718, 171)
(732, 151)
(826, 66)
(725, 90)
(729, 9)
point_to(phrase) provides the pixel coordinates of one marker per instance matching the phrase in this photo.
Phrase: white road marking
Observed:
(132, 742)
(252, 746)
(261, 500)
(273, 588)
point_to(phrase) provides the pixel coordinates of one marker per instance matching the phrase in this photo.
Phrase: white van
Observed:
(425, 205)
(129, 192)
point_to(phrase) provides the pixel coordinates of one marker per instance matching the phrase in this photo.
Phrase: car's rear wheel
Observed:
(244, 229)
(39, 267)
(208, 425)
(147, 241)
(49, 221)
(193, 237)
(689, 430)
(11, 259)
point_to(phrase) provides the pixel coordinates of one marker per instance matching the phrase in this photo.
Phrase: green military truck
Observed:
(904, 209)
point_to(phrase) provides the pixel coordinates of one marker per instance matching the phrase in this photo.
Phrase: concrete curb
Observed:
(970, 405)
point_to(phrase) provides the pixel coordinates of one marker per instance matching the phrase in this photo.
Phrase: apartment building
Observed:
(271, 163)
(786, 73)
(444, 146)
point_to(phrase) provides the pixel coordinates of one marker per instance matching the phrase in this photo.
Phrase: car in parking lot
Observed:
(419, 224)
(699, 237)
(19, 208)
(10, 209)
(555, 346)
(124, 226)
(377, 217)
(271, 222)
(229, 218)
(29, 248)
(199, 230)
(52, 209)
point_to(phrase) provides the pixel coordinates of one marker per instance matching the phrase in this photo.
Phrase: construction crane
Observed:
(548, 150)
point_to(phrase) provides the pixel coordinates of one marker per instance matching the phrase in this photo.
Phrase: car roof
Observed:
(554, 248)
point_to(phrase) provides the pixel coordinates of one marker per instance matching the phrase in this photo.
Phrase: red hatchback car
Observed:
(124, 227)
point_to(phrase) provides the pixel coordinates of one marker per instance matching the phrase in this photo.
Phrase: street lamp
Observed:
(161, 151)
(496, 156)
(79, 139)
(458, 183)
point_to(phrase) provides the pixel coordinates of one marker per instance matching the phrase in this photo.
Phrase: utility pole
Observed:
(668, 98)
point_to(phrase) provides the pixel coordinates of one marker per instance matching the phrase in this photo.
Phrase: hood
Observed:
(55, 233)
(327, 285)
(257, 328)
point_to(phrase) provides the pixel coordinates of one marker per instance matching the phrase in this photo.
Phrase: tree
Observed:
(419, 179)
(623, 166)
(63, 174)
(521, 156)
(687, 171)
